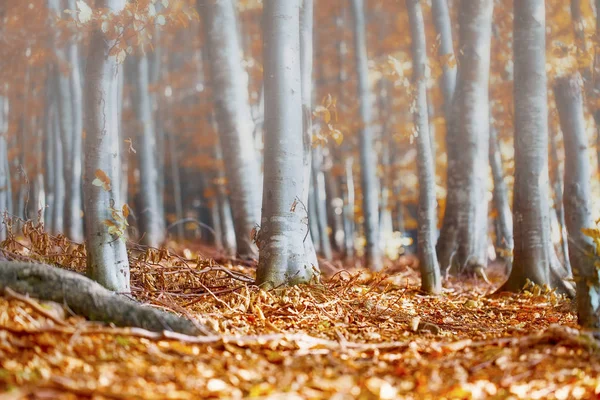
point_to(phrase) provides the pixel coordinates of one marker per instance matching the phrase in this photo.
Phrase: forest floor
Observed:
(355, 335)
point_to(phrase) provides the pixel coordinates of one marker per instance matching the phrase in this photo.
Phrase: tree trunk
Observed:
(533, 244)
(151, 223)
(176, 182)
(464, 231)
(49, 163)
(443, 27)
(230, 91)
(596, 85)
(283, 259)
(107, 255)
(431, 281)
(577, 199)
(59, 181)
(349, 205)
(504, 233)
(557, 187)
(368, 156)
(4, 173)
(306, 72)
(320, 204)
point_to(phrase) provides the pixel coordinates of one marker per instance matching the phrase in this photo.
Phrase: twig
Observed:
(11, 294)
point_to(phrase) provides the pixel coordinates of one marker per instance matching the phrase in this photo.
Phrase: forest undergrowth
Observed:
(354, 335)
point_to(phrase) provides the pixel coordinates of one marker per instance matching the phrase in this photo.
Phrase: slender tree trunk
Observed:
(49, 163)
(533, 245)
(443, 27)
(152, 229)
(283, 259)
(59, 182)
(558, 198)
(578, 207)
(306, 72)
(176, 182)
(464, 231)
(431, 281)
(320, 204)
(227, 232)
(504, 233)
(368, 156)
(596, 85)
(230, 91)
(334, 209)
(4, 173)
(349, 206)
(107, 255)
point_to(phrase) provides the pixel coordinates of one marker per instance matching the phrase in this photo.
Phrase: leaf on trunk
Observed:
(102, 180)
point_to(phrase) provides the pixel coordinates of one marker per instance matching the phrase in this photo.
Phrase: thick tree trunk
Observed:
(577, 199)
(533, 252)
(151, 221)
(557, 187)
(504, 231)
(464, 230)
(88, 299)
(107, 255)
(431, 281)
(368, 156)
(283, 259)
(230, 91)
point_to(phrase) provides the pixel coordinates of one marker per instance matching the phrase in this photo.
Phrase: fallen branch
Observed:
(88, 299)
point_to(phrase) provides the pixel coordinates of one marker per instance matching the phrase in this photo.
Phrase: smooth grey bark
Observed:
(4, 173)
(334, 209)
(225, 218)
(557, 187)
(385, 208)
(151, 219)
(283, 259)
(349, 206)
(88, 299)
(320, 204)
(463, 238)
(306, 72)
(431, 280)
(176, 182)
(596, 84)
(69, 97)
(533, 252)
(443, 27)
(368, 156)
(107, 256)
(59, 182)
(234, 117)
(49, 162)
(577, 200)
(504, 231)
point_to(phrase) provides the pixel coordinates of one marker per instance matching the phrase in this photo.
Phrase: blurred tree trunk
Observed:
(504, 233)
(70, 118)
(49, 162)
(176, 182)
(463, 239)
(59, 182)
(557, 187)
(230, 91)
(533, 252)
(151, 220)
(428, 263)
(349, 206)
(107, 255)
(321, 203)
(577, 199)
(368, 156)
(443, 27)
(596, 86)
(4, 172)
(283, 259)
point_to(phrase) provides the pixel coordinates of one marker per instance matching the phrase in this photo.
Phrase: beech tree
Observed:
(533, 252)
(107, 255)
(577, 200)
(284, 225)
(430, 270)
(234, 117)
(462, 245)
(368, 163)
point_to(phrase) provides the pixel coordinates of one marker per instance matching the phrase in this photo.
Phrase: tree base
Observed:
(88, 299)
